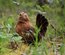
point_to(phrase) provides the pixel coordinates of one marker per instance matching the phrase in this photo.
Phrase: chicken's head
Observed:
(23, 17)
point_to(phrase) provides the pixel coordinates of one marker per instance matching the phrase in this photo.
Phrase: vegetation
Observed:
(54, 40)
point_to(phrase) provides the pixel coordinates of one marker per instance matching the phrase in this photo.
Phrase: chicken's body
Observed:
(22, 27)
(25, 29)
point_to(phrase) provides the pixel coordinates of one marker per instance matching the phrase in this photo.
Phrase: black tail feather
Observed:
(41, 23)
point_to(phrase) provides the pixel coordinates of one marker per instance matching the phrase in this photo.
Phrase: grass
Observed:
(46, 47)
(54, 40)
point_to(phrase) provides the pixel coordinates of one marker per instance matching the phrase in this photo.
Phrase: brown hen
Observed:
(25, 29)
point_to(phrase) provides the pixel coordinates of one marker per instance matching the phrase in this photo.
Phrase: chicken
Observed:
(26, 30)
